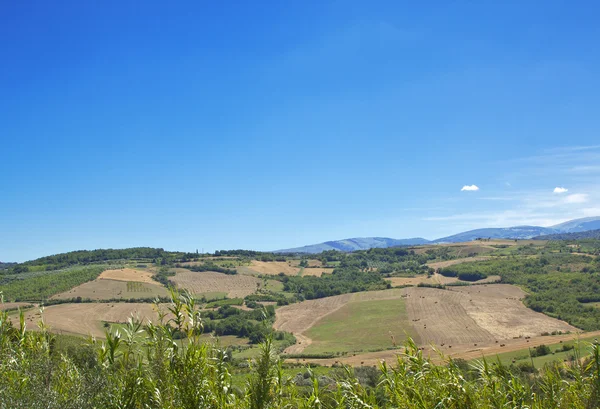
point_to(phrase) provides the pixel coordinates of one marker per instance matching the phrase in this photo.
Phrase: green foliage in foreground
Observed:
(43, 286)
(144, 368)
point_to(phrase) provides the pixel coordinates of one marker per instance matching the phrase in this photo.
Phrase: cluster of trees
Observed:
(462, 275)
(149, 369)
(227, 320)
(343, 280)
(560, 284)
(162, 276)
(387, 260)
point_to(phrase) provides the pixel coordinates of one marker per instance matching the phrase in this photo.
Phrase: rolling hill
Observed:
(578, 225)
(518, 232)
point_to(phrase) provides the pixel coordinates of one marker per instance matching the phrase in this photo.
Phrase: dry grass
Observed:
(316, 271)
(208, 282)
(273, 267)
(448, 263)
(290, 268)
(127, 274)
(86, 318)
(13, 305)
(104, 289)
(480, 314)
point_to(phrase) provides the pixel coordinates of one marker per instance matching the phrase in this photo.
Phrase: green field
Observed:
(361, 326)
(581, 348)
(211, 296)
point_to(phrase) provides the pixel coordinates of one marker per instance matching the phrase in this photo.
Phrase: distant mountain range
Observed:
(358, 243)
(590, 234)
(517, 232)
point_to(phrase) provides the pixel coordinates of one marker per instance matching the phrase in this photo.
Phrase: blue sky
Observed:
(268, 125)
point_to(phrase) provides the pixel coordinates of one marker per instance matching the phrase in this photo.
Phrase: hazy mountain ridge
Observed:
(516, 232)
(589, 234)
(353, 244)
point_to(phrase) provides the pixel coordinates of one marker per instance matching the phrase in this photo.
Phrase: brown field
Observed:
(290, 268)
(127, 274)
(435, 279)
(208, 281)
(13, 305)
(472, 316)
(87, 318)
(316, 271)
(104, 289)
(448, 263)
(273, 267)
(480, 314)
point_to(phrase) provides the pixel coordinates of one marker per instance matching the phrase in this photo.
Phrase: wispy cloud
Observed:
(560, 190)
(577, 198)
(573, 148)
(471, 188)
(585, 169)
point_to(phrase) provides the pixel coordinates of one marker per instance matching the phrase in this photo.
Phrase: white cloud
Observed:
(560, 190)
(576, 198)
(472, 188)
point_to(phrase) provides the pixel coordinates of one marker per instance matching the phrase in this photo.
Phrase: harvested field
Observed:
(316, 271)
(436, 279)
(448, 263)
(290, 268)
(421, 279)
(127, 274)
(480, 314)
(469, 315)
(209, 282)
(273, 267)
(105, 289)
(14, 305)
(87, 318)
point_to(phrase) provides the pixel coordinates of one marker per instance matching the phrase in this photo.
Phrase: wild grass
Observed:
(143, 367)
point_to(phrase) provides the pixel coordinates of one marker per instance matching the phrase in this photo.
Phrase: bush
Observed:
(541, 350)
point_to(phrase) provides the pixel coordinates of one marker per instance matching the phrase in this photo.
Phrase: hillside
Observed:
(578, 225)
(519, 232)
(354, 244)
(6, 265)
(470, 300)
(591, 234)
